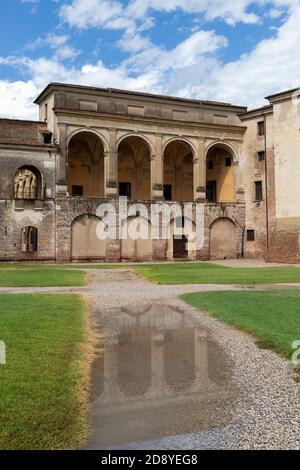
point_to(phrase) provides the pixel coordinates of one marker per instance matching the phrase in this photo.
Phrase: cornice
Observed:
(147, 120)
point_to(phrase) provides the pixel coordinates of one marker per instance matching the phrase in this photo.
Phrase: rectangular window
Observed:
(210, 164)
(47, 138)
(250, 236)
(211, 191)
(77, 191)
(125, 190)
(261, 128)
(228, 161)
(258, 191)
(168, 192)
(261, 156)
(46, 112)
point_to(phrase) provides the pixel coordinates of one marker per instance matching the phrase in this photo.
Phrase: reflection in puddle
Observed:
(158, 375)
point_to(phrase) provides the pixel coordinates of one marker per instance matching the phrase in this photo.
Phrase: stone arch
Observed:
(220, 172)
(28, 183)
(86, 164)
(87, 238)
(180, 139)
(134, 245)
(91, 131)
(226, 145)
(178, 163)
(137, 135)
(134, 167)
(223, 239)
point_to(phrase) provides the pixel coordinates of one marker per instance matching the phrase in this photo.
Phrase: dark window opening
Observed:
(258, 191)
(46, 112)
(228, 161)
(261, 128)
(211, 191)
(250, 236)
(29, 240)
(125, 190)
(210, 164)
(47, 137)
(77, 191)
(168, 192)
(261, 156)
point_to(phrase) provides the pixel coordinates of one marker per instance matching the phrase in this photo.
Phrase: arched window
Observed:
(220, 174)
(28, 184)
(29, 242)
(178, 172)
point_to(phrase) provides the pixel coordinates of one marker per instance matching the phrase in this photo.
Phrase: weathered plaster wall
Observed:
(254, 170)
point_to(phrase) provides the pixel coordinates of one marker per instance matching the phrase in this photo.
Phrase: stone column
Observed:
(201, 360)
(111, 167)
(62, 162)
(158, 383)
(200, 173)
(111, 393)
(157, 174)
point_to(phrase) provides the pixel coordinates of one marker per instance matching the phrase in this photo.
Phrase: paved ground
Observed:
(246, 399)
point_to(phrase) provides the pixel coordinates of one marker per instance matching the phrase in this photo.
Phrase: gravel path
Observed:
(267, 410)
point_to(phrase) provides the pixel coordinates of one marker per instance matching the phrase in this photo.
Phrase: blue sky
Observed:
(229, 50)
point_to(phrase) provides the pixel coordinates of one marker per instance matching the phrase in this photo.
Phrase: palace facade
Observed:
(92, 146)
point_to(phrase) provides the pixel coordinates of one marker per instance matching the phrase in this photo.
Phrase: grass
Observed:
(41, 277)
(272, 317)
(205, 273)
(43, 384)
(31, 275)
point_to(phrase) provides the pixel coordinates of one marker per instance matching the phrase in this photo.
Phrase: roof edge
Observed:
(52, 85)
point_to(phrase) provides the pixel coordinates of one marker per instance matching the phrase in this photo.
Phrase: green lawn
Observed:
(41, 277)
(24, 275)
(205, 273)
(43, 384)
(272, 317)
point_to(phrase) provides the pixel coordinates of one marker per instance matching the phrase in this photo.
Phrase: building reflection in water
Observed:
(158, 374)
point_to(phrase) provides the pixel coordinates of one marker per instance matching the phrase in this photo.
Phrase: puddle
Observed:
(158, 374)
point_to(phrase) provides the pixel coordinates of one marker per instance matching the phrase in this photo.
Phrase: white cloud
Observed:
(114, 14)
(191, 69)
(16, 99)
(56, 42)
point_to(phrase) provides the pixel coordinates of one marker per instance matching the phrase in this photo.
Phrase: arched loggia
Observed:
(134, 168)
(86, 165)
(178, 172)
(220, 174)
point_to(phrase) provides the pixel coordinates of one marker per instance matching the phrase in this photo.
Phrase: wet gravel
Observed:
(267, 411)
